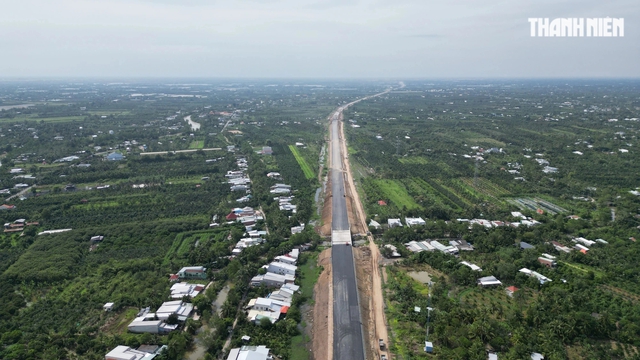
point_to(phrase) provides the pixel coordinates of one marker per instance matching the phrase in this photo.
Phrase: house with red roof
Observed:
(511, 290)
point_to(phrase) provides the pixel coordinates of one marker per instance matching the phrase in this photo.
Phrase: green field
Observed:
(196, 144)
(45, 119)
(396, 193)
(308, 172)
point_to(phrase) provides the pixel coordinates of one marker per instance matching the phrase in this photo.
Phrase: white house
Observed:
(182, 289)
(249, 353)
(122, 352)
(394, 223)
(181, 309)
(282, 268)
(271, 279)
(415, 221)
(489, 281)
(286, 259)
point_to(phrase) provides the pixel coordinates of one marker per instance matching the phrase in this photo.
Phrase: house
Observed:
(419, 246)
(178, 307)
(583, 249)
(7, 207)
(285, 293)
(543, 279)
(444, 248)
(266, 150)
(280, 189)
(462, 245)
(148, 323)
(549, 256)
(97, 238)
(286, 259)
(394, 250)
(547, 262)
(374, 224)
(382, 203)
(182, 289)
(524, 246)
(297, 229)
(108, 306)
(249, 353)
(16, 171)
(122, 352)
(415, 221)
(282, 268)
(394, 223)
(193, 272)
(271, 279)
(473, 267)
(114, 156)
(537, 356)
(511, 290)
(489, 281)
(584, 241)
(267, 304)
(560, 247)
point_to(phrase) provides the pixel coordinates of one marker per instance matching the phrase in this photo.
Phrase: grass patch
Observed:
(298, 349)
(46, 119)
(308, 172)
(397, 194)
(107, 113)
(309, 273)
(196, 144)
(100, 205)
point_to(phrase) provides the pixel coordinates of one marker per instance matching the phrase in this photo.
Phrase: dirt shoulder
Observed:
(322, 323)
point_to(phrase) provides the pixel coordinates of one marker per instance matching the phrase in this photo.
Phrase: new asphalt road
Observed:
(348, 343)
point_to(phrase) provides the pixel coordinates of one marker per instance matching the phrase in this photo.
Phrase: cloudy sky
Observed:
(309, 39)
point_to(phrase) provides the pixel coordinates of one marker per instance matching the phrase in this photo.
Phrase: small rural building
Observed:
(394, 223)
(108, 306)
(286, 259)
(114, 156)
(415, 221)
(193, 272)
(122, 352)
(180, 290)
(178, 307)
(249, 353)
(511, 290)
(547, 262)
(488, 281)
(282, 268)
(266, 150)
(524, 246)
(394, 250)
(271, 279)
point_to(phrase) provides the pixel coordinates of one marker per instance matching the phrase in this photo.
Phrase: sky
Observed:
(378, 39)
